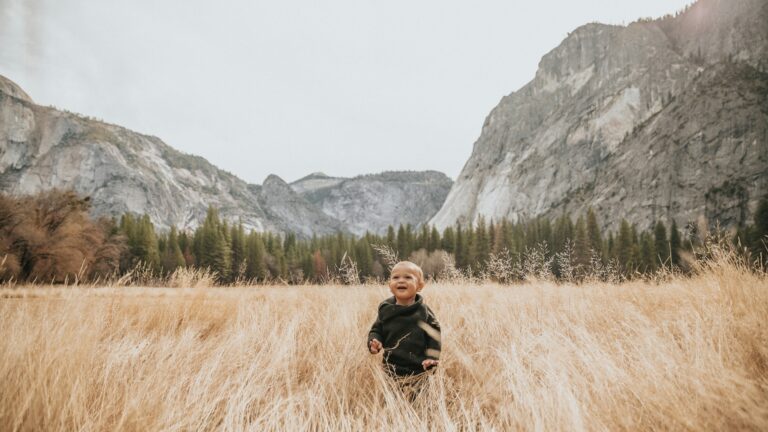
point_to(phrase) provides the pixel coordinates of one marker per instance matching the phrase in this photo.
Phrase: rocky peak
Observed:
(10, 88)
(274, 183)
(314, 182)
(315, 175)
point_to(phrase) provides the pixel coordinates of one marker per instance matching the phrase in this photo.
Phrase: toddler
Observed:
(406, 329)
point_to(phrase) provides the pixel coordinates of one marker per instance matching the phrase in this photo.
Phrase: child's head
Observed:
(405, 280)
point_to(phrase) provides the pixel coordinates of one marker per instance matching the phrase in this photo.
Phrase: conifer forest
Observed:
(51, 238)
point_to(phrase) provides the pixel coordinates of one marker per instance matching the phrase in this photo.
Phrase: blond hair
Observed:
(413, 266)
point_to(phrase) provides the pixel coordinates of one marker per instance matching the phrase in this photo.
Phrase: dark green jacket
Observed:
(401, 329)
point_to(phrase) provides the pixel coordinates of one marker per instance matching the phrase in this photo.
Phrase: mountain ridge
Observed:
(125, 171)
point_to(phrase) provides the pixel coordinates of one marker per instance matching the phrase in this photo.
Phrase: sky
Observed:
(293, 87)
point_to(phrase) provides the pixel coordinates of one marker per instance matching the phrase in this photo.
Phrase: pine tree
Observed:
(610, 247)
(448, 242)
(238, 246)
(518, 240)
(544, 228)
(410, 240)
(307, 267)
(661, 245)
(593, 233)
(491, 237)
(172, 255)
(635, 259)
(422, 240)
(460, 248)
(647, 253)
(292, 263)
(674, 244)
(402, 242)
(759, 232)
(127, 227)
(508, 236)
(364, 257)
(562, 233)
(531, 235)
(185, 244)
(624, 246)
(255, 266)
(146, 244)
(581, 245)
(434, 239)
(391, 237)
(214, 250)
(498, 237)
(480, 245)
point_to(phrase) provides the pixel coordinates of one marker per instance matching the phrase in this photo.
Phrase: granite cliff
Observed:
(661, 119)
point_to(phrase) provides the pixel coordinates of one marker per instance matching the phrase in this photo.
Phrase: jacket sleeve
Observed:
(377, 332)
(432, 329)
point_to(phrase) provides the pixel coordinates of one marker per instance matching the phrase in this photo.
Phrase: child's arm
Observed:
(432, 351)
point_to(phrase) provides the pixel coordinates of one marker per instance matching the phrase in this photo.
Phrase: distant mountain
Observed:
(372, 202)
(661, 119)
(291, 212)
(123, 171)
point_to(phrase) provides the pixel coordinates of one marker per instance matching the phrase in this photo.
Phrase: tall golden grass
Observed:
(684, 354)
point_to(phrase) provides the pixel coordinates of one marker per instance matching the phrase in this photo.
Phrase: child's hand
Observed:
(375, 346)
(428, 363)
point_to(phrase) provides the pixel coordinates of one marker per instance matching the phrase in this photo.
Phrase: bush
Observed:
(50, 237)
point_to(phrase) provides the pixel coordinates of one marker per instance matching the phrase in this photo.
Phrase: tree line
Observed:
(50, 238)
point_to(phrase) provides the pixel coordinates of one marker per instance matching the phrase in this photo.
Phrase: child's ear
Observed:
(420, 284)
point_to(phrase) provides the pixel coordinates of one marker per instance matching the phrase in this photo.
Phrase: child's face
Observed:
(405, 282)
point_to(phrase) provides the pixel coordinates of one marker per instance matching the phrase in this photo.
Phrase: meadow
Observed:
(683, 353)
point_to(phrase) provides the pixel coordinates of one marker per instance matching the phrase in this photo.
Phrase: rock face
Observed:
(122, 171)
(373, 202)
(291, 212)
(660, 119)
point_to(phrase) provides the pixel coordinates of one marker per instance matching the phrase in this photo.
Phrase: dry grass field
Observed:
(686, 354)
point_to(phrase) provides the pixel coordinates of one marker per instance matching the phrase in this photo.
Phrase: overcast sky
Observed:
(292, 87)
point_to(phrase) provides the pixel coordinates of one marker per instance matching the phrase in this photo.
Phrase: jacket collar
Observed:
(389, 308)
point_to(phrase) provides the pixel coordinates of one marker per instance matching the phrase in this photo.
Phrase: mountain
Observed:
(372, 202)
(292, 212)
(661, 119)
(123, 171)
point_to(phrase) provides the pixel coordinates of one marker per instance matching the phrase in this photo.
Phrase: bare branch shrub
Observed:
(501, 267)
(609, 272)
(347, 270)
(450, 273)
(536, 265)
(566, 262)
